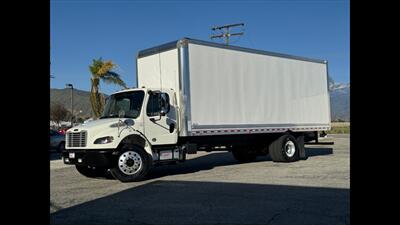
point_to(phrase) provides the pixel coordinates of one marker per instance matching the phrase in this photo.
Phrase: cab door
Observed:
(160, 118)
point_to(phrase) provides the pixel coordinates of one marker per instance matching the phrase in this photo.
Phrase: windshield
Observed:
(127, 103)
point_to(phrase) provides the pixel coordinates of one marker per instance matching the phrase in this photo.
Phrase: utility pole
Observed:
(51, 76)
(226, 32)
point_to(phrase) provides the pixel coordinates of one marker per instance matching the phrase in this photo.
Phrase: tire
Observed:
(61, 147)
(284, 149)
(90, 171)
(244, 155)
(133, 163)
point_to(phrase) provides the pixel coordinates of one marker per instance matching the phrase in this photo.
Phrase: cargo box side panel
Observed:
(159, 70)
(232, 88)
(151, 76)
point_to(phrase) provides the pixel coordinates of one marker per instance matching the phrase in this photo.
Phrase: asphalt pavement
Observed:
(210, 189)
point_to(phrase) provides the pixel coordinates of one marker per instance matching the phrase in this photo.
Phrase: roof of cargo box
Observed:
(175, 44)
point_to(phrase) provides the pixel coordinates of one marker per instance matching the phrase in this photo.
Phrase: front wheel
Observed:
(133, 164)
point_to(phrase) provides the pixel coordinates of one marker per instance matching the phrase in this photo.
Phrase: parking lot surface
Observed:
(212, 188)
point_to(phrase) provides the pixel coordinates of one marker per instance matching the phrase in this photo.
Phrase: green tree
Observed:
(102, 71)
(58, 113)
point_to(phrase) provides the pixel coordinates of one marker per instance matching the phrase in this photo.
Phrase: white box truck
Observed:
(194, 96)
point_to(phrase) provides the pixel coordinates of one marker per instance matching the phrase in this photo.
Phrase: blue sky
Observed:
(83, 30)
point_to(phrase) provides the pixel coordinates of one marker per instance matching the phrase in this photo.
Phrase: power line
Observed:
(226, 31)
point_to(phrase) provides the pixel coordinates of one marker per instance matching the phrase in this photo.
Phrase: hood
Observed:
(96, 123)
(103, 128)
(97, 129)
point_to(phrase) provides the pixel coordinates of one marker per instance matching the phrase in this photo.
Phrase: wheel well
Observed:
(133, 139)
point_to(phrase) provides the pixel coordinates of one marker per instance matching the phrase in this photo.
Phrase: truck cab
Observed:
(122, 139)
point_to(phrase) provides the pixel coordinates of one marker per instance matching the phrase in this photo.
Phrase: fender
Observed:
(137, 138)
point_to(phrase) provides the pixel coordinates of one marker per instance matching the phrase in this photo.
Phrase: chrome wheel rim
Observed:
(130, 162)
(290, 148)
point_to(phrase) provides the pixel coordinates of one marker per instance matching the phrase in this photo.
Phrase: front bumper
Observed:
(90, 157)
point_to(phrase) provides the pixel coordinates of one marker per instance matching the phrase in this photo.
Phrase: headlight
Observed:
(104, 140)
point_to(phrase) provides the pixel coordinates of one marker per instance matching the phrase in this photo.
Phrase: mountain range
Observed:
(81, 101)
(340, 101)
(339, 97)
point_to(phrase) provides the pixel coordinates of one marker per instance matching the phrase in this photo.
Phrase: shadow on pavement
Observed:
(216, 159)
(208, 162)
(310, 152)
(206, 203)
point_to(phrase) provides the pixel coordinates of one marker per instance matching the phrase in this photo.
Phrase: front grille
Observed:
(76, 139)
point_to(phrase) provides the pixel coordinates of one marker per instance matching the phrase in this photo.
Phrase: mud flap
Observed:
(302, 151)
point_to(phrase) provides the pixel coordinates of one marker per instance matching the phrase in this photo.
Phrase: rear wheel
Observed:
(133, 164)
(284, 149)
(91, 171)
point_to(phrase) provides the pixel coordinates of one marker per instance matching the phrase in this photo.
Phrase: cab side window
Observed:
(153, 106)
(166, 107)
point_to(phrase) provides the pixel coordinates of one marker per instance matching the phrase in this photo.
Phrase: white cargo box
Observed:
(227, 89)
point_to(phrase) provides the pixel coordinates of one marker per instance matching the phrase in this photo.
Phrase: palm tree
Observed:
(102, 70)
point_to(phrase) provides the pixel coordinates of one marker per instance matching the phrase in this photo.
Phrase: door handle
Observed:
(154, 120)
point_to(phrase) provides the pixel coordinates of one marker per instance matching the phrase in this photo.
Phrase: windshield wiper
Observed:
(110, 116)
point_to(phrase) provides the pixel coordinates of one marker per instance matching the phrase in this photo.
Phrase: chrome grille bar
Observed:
(76, 139)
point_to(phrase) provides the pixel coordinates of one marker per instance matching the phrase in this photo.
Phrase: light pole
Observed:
(72, 102)
(80, 111)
